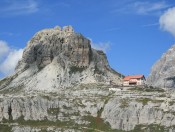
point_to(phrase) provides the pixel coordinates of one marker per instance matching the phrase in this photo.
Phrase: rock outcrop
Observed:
(49, 43)
(163, 72)
(58, 58)
(88, 107)
(63, 85)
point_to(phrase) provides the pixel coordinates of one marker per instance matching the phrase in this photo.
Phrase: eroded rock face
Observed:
(89, 107)
(163, 72)
(62, 84)
(58, 58)
(49, 43)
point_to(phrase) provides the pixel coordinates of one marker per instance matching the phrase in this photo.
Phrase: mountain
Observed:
(163, 71)
(58, 58)
(61, 84)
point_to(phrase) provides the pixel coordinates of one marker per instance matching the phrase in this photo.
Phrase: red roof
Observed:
(127, 78)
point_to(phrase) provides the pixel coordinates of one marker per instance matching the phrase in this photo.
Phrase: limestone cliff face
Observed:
(49, 43)
(62, 85)
(87, 107)
(58, 58)
(163, 72)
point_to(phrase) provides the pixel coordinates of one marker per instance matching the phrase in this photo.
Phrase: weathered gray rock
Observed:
(49, 43)
(58, 58)
(163, 72)
(85, 105)
(62, 85)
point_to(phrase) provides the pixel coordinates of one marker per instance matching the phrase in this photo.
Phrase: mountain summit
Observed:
(62, 84)
(162, 72)
(57, 58)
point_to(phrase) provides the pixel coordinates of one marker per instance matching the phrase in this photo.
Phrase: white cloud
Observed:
(19, 7)
(104, 46)
(150, 25)
(143, 8)
(4, 49)
(167, 21)
(9, 58)
(148, 7)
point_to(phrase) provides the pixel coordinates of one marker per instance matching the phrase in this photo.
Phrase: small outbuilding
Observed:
(135, 80)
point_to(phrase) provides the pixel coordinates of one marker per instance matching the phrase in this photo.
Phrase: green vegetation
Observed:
(53, 111)
(97, 123)
(46, 123)
(136, 89)
(92, 86)
(38, 123)
(124, 103)
(154, 89)
(145, 101)
(66, 107)
(162, 95)
(147, 89)
(150, 128)
(5, 128)
(75, 69)
(171, 103)
(11, 90)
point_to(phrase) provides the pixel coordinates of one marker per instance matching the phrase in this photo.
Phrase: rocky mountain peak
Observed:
(49, 43)
(62, 58)
(162, 72)
(62, 84)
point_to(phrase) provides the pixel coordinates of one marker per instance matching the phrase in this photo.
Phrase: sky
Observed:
(133, 33)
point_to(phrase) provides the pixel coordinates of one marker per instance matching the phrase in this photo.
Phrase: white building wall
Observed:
(139, 82)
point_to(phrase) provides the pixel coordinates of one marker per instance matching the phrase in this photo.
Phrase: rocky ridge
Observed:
(162, 73)
(59, 58)
(89, 107)
(63, 85)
